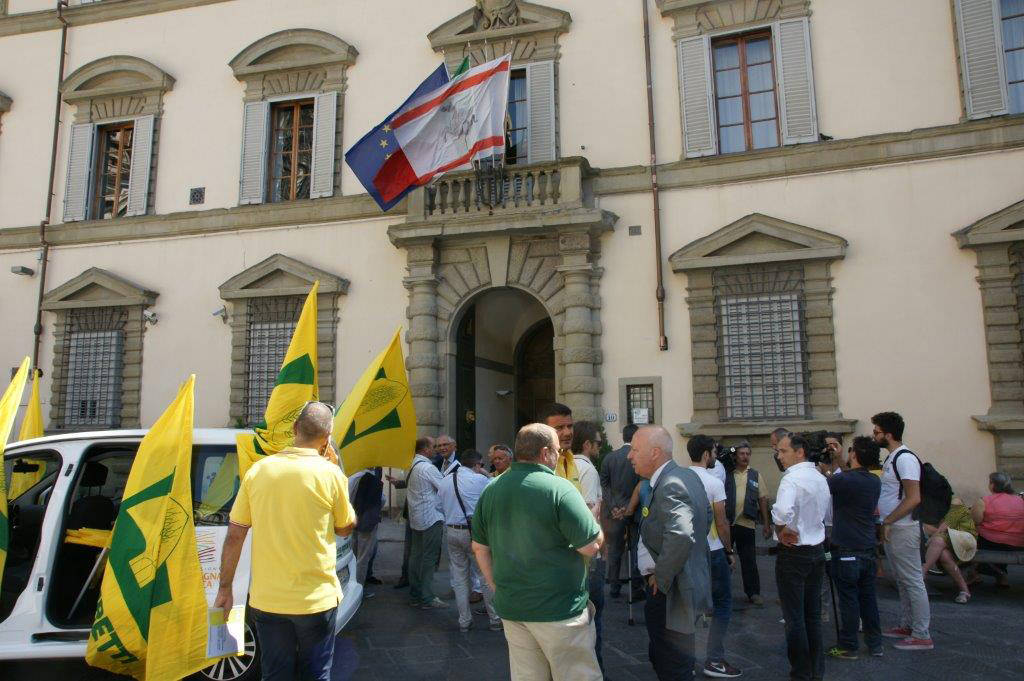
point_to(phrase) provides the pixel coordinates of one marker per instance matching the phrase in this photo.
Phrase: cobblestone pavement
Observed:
(389, 641)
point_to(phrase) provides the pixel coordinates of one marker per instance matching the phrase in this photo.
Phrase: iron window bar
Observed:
(93, 364)
(271, 322)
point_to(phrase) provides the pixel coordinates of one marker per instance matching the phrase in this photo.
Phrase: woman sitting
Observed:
(1000, 521)
(942, 549)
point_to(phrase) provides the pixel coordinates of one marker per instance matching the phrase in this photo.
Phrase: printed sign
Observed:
(224, 637)
(641, 416)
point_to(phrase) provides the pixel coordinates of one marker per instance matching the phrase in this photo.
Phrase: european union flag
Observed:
(368, 154)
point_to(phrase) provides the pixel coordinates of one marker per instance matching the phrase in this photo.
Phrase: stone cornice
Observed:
(93, 13)
(992, 134)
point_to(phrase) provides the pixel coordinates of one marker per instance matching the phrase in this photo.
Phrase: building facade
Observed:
(840, 223)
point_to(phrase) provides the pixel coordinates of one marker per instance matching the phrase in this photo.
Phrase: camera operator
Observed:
(799, 513)
(745, 503)
(835, 462)
(854, 499)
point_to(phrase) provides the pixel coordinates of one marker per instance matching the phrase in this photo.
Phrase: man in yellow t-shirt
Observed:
(295, 501)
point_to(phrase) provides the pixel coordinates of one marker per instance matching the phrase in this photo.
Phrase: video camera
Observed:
(725, 455)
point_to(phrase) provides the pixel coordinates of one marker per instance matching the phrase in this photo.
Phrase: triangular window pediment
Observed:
(97, 287)
(999, 227)
(757, 238)
(280, 275)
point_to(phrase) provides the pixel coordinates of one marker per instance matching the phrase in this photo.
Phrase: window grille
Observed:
(93, 364)
(271, 323)
(640, 396)
(762, 348)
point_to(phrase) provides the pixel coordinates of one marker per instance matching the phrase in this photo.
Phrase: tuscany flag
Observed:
(376, 425)
(447, 128)
(31, 427)
(151, 617)
(296, 385)
(8, 410)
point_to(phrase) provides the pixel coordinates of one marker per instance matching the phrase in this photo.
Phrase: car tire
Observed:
(245, 667)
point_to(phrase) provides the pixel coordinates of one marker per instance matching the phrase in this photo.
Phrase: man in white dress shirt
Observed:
(427, 523)
(459, 491)
(799, 512)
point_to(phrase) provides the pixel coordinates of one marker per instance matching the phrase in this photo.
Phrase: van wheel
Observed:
(245, 667)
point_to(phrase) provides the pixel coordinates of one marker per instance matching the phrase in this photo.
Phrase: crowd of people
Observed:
(537, 534)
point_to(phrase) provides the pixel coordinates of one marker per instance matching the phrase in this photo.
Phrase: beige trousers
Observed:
(553, 651)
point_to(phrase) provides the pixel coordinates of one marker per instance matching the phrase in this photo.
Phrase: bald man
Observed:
(672, 554)
(295, 502)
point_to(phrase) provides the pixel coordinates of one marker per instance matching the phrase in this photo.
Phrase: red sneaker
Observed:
(914, 644)
(898, 632)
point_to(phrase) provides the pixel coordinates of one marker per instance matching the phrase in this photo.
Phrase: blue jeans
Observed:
(799, 573)
(670, 652)
(721, 596)
(854, 575)
(296, 646)
(595, 585)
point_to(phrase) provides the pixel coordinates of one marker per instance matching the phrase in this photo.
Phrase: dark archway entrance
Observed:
(502, 367)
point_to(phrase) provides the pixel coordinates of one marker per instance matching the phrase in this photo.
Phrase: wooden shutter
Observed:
(325, 112)
(540, 88)
(76, 188)
(799, 118)
(252, 184)
(142, 156)
(696, 102)
(981, 57)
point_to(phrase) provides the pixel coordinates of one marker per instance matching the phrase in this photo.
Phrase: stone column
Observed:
(581, 386)
(423, 360)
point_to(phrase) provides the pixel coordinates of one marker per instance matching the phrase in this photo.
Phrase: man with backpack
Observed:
(901, 494)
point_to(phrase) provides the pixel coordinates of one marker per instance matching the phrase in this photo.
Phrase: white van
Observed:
(84, 476)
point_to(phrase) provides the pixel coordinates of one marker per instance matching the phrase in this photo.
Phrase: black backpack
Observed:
(936, 492)
(366, 501)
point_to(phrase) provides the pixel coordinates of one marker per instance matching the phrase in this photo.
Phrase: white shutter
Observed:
(981, 57)
(540, 94)
(696, 102)
(76, 188)
(799, 118)
(252, 183)
(142, 155)
(325, 113)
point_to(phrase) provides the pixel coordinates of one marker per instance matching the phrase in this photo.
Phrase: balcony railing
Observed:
(491, 191)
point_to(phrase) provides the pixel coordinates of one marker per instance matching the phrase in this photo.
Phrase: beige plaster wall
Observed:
(909, 332)
(187, 338)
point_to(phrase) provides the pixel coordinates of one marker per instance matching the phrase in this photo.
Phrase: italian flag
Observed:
(448, 128)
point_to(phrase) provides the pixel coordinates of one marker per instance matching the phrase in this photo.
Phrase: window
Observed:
(1013, 48)
(271, 323)
(291, 150)
(761, 346)
(517, 138)
(640, 397)
(113, 170)
(94, 365)
(745, 92)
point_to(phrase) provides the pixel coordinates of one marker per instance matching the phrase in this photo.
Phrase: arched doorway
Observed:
(501, 366)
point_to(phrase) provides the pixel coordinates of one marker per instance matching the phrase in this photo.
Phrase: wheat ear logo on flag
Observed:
(376, 424)
(31, 427)
(296, 384)
(151, 617)
(8, 409)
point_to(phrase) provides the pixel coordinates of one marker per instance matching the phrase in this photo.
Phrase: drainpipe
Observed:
(659, 292)
(44, 245)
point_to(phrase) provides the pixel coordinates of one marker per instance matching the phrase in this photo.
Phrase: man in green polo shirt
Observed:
(531, 532)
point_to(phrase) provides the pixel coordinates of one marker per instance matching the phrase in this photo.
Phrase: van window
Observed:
(29, 483)
(214, 483)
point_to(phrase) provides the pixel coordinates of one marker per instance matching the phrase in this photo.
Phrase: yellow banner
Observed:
(296, 385)
(376, 425)
(151, 618)
(31, 427)
(8, 410)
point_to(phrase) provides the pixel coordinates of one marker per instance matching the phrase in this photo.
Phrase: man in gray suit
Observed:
(618, 479)
(673, 554)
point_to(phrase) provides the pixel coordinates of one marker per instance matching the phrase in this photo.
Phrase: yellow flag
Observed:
(376, 425)
(296, 385)
(31, 427)
(151, 617)
(8, 409)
